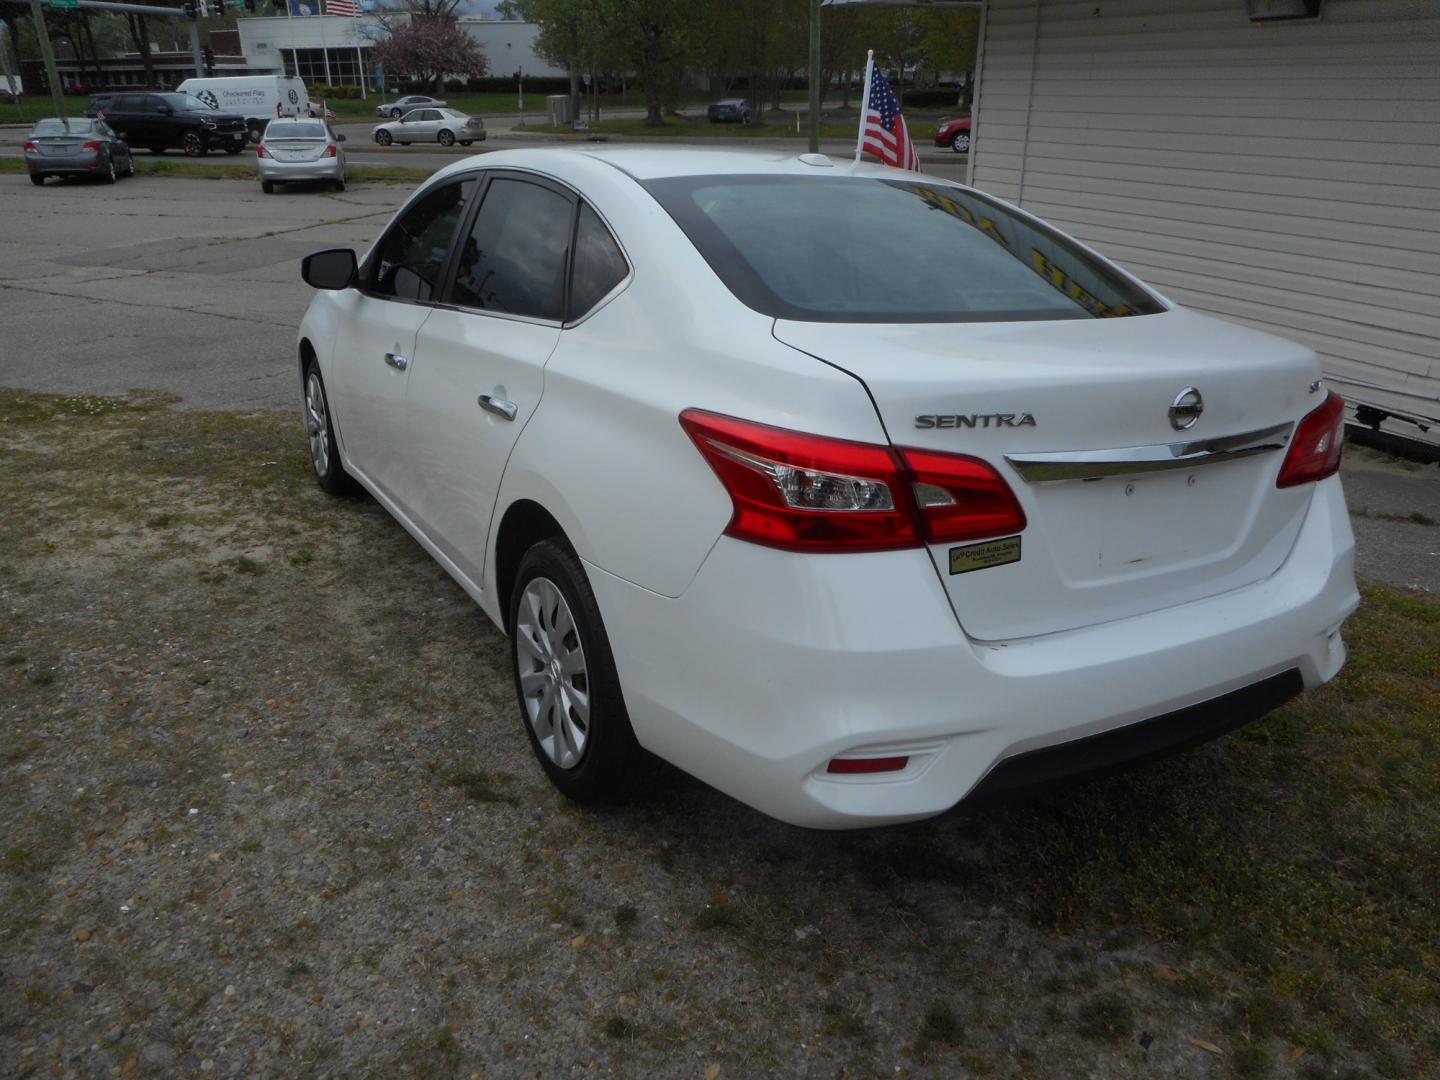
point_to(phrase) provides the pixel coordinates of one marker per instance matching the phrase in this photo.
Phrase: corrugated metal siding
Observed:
(1284, 175)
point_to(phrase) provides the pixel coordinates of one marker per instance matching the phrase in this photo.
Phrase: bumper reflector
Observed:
(851, 766)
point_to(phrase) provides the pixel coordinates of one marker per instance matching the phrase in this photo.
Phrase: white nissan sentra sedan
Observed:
(851, 492)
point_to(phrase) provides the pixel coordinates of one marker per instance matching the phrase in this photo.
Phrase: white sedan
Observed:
(443, 126)
(851, 492)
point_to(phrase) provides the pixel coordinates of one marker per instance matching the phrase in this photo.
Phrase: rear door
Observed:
(480, 359)
(399, 286)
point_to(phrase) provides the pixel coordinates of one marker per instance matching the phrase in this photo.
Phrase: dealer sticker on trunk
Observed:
(983, 555)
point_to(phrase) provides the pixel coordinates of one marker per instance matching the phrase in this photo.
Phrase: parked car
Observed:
(850, 491)
(729, 111)
(258, 98)
(161, 122)
(397, 109)
(300, 150)
(955, 134)
(79, 147)
(445, 126)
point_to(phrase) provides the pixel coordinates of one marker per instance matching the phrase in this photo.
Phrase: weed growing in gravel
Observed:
(715, 917)
(617, 1027)
(1105, 1017)
(625, 917)
(483, 787)
(939, 1025)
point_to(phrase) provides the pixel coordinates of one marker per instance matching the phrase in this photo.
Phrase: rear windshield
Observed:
(290, 130)
(864, 249)
(57, 127)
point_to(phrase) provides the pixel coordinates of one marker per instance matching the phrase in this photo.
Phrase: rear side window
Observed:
(513, 261)
(865, 249)
(599, 265)
(410, 258)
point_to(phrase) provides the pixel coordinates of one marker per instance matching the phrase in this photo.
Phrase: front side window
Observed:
(410, 258)
(513, 261)
(599, 265)
(865, 249)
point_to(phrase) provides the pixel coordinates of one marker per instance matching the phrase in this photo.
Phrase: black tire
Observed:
(193, 143)
(319, 424)
(384, 138)
(394, 114)
(108, 176)
(267, 186)
(157, 150)
(445, 137)
(37, 179)
(610, 762)
(960, 142)
(129, 163)
(340, 184)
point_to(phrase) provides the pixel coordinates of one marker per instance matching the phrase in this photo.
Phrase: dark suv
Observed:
(160, 122)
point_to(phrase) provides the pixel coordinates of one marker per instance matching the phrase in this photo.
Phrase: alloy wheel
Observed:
(317, 424)
(554, 680)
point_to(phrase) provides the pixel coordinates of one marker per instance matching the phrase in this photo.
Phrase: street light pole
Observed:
(814, 76)
(47, 54)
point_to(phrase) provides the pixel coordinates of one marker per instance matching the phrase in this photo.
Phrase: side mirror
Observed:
(332, 269)
(340, 137)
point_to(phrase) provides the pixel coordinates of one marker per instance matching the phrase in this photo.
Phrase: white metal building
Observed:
(320, 49)
(1283, 174)
(510, 45)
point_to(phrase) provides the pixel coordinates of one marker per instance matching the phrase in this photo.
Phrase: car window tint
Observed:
(883, 250)
(130, 103)
(513, 261)
(411, 257)
(599, 266)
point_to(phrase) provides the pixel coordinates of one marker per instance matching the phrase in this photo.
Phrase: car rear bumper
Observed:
(771, 664)
(86, 162)
(280, 171)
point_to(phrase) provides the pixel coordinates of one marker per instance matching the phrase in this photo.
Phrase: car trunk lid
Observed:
(1075, 415)
(296, 149)
(61, 145)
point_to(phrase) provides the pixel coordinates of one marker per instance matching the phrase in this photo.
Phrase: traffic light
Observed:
(192, 9)
(208, 54)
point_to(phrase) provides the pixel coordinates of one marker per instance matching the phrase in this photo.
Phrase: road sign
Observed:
(64, 3)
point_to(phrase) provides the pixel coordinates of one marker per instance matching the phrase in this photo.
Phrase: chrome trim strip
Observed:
(1132, 460)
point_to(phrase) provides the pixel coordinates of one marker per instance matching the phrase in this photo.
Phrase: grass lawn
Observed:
(373, 860)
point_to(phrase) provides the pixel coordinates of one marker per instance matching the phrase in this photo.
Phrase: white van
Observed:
(258, 98)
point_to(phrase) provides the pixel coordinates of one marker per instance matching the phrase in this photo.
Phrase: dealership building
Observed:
(1276, 162)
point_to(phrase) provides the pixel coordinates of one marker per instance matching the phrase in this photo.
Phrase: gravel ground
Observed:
(270, 812)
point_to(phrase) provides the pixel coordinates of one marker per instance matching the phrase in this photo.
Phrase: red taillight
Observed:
(94, 145)
(260, 151)
(860, 766)
(811, 493)
(1314, 453)
(31, 147)
(330, 150)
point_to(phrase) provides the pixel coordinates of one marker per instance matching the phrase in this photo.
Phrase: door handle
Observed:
(499, 406)
(398, 362)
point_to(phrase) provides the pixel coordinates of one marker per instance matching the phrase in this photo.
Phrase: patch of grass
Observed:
(715, 917)
(160, 521)
(939, 1025)
(1414, 517)
(1249, 1062)
(483, 787)
(42, 677)
(13, 659)
(1106, 1017)
(843, 1023)
(626, 917)
(617, 1027)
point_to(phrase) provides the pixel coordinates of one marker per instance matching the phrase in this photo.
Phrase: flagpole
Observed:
(864, 103)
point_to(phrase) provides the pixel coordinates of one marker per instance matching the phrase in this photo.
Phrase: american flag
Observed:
(886, 135)
(341, 7)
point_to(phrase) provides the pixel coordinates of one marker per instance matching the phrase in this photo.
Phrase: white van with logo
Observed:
(258, 98)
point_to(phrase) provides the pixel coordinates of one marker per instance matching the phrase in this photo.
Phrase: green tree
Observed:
(653, 38)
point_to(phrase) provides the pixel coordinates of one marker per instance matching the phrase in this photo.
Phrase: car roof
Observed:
(644, 163)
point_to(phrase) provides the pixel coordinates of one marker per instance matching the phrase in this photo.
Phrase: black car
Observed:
(161, 122)
(729, 111)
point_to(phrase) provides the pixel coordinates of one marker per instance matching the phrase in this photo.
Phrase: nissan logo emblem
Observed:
(1186, 408)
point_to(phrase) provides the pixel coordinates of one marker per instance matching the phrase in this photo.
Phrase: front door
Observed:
(480, 361)
(375, 341)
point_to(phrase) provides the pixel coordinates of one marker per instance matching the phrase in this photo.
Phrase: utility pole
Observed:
(47, 54)
(814, 76)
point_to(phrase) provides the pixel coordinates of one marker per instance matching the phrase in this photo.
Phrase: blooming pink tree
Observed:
(429, 50)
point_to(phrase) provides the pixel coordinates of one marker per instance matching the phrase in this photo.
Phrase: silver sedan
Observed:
(300, 150)
(78, 147)
(397, 109)
(445, 126)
